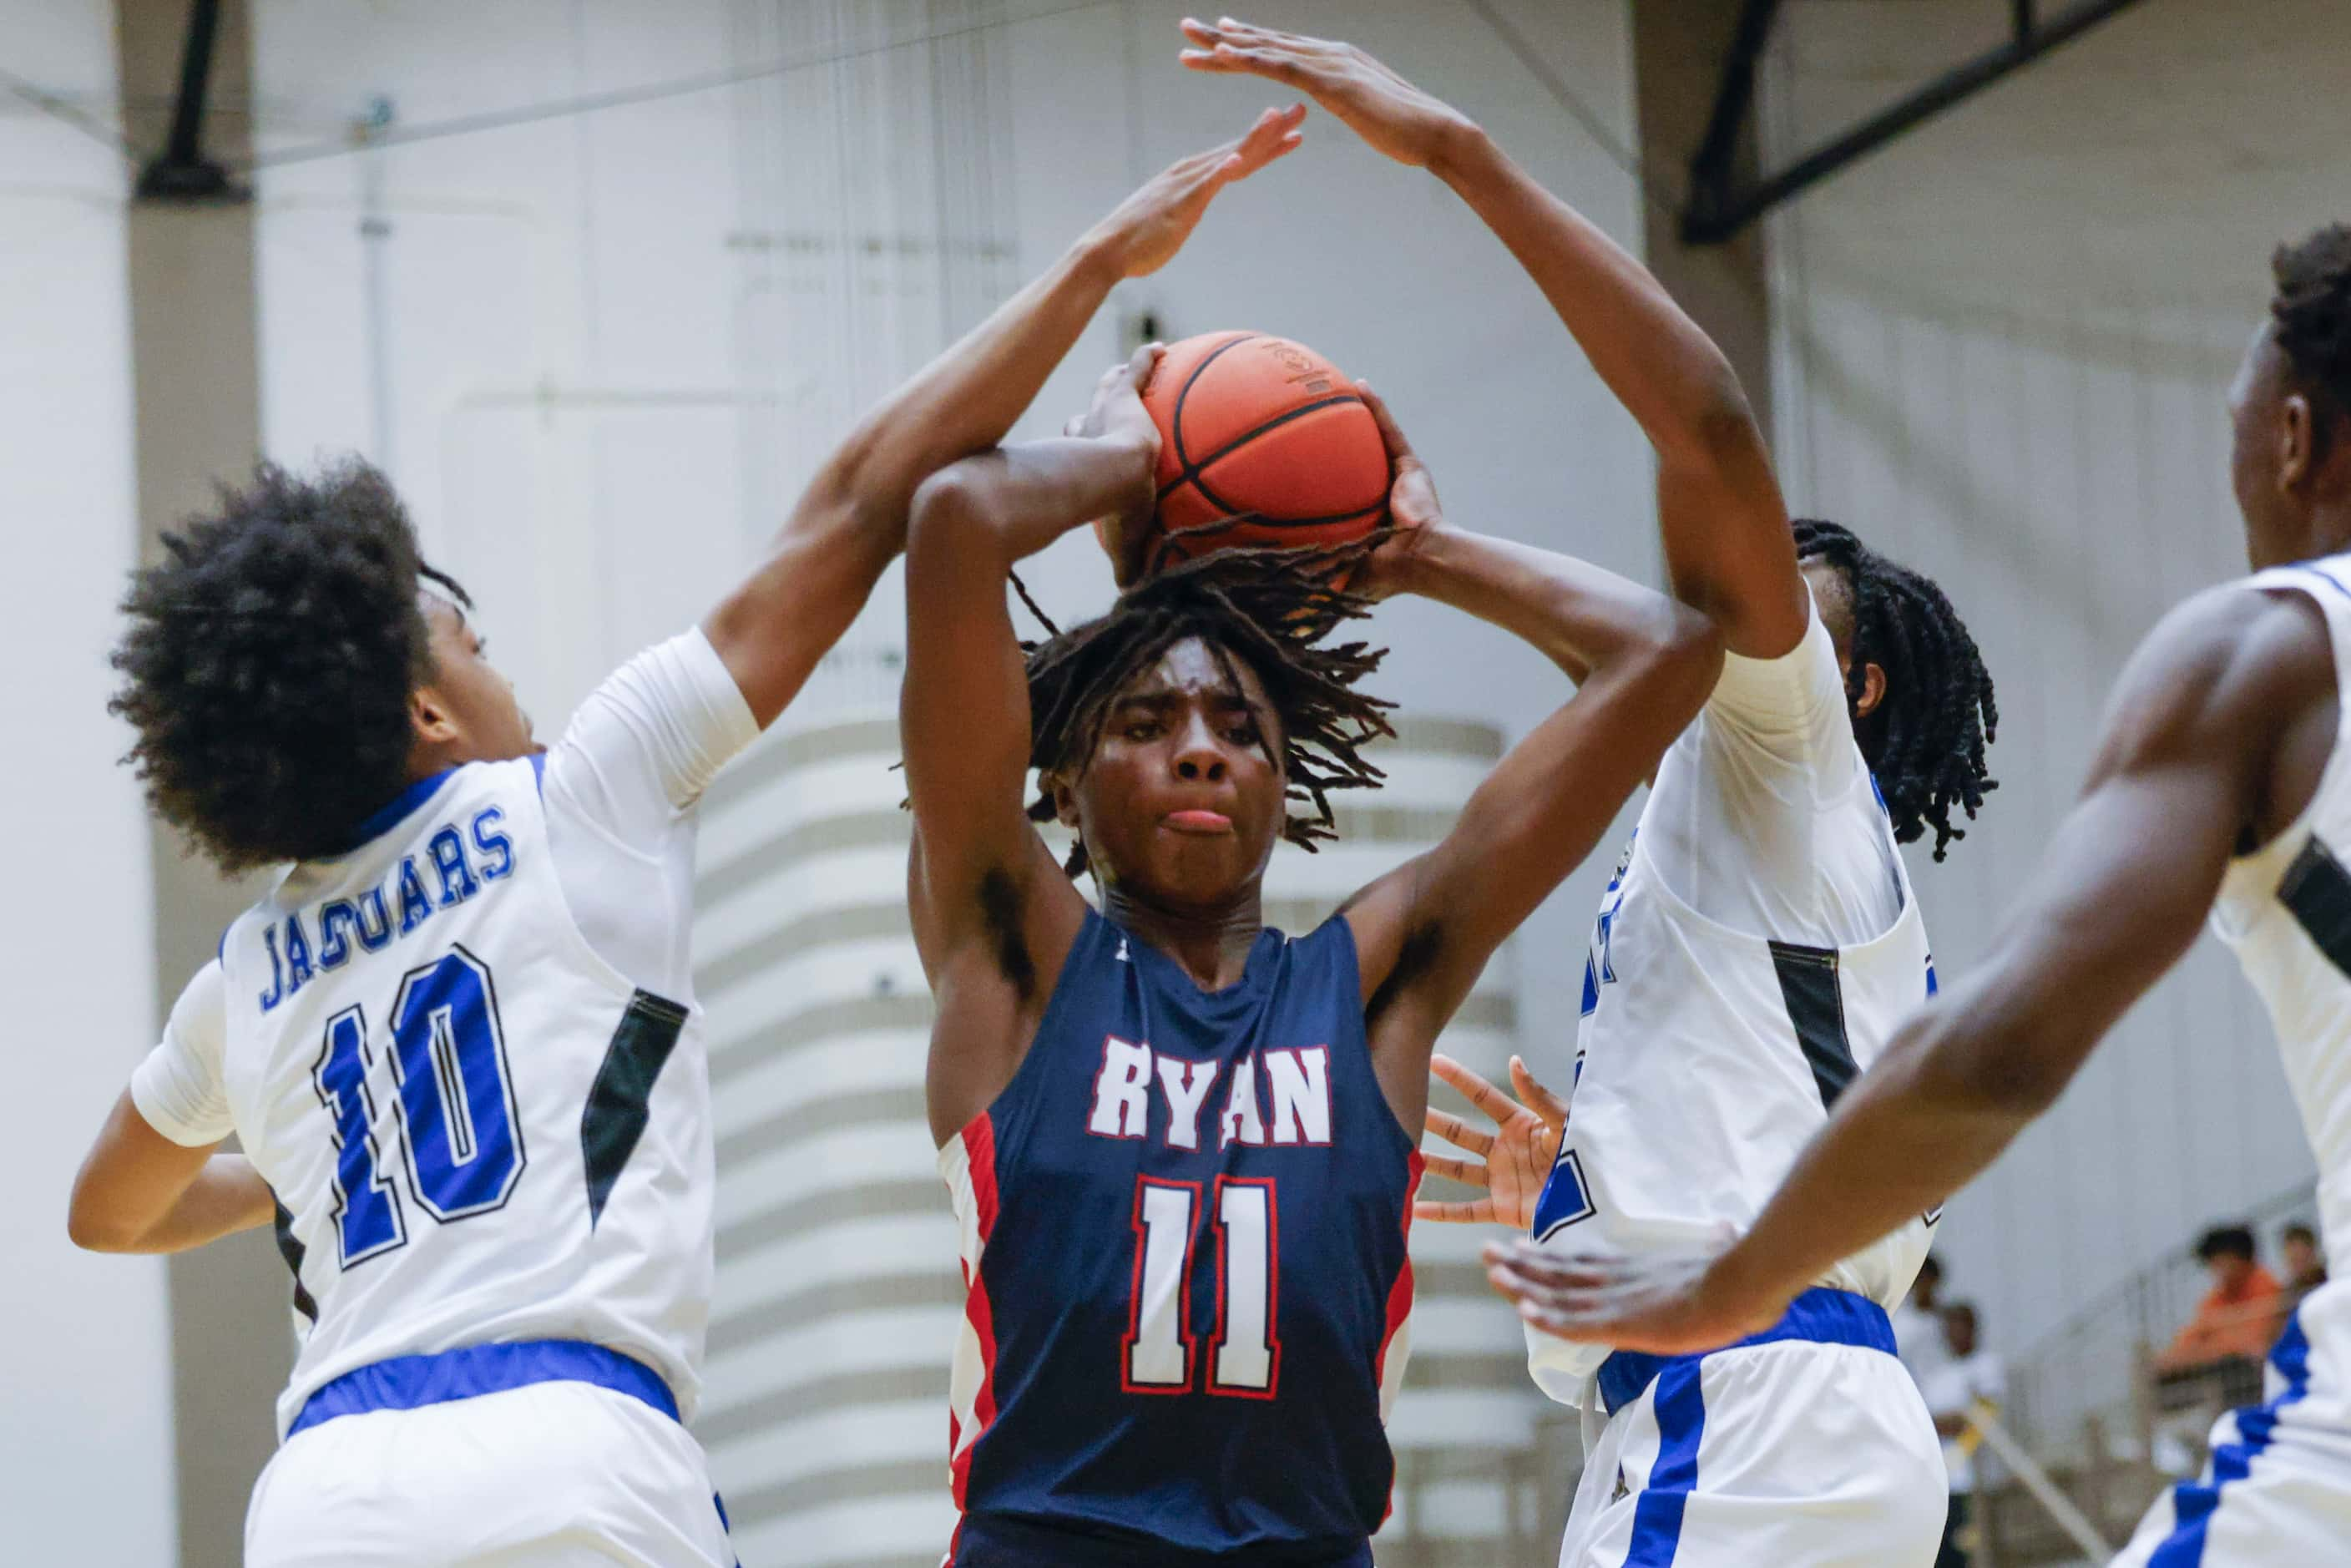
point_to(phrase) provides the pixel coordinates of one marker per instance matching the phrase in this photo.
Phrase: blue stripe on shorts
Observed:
(1818, 1316)
(1658, 1511)
(2193, 1504)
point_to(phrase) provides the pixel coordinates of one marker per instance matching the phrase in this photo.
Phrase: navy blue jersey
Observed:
(1184, 1227)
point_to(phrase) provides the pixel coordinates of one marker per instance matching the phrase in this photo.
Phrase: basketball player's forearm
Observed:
(968, 399)
(1912, 1132)
(227, 1195)
(992, 511)
(1580, 616)
(1664, 369)
(851, 522)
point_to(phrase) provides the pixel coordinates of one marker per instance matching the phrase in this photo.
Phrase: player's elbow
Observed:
(954, 514)
(95, 1226)
(1716, 427)
(1678, 657)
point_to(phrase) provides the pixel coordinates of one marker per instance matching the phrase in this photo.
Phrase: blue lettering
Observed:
(298, 955)
(457, 883)
(335, 922)
(277, 991)
(375, 920)
(414, 906)
(491, 843)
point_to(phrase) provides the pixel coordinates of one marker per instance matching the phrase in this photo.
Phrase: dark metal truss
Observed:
(181, 173)
(1720, 206)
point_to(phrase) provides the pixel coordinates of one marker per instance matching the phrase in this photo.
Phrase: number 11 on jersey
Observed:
(1245, 1359)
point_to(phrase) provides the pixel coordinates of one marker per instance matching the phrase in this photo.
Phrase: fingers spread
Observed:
(1469, 1173)
(1481, 1093)
(1275, 133)
(1541, 1100)
(1443, 1067)
(1440, 1213)
(1458, 1133)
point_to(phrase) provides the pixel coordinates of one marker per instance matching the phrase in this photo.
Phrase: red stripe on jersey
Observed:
(979, 1150)
(1399, 1300)
(979, 1156)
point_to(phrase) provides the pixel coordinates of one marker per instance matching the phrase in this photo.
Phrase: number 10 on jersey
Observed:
(453, 1107)
(1244, 1356)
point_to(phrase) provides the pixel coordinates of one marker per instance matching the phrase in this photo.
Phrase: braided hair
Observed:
(1925, 740)
(1270, 609)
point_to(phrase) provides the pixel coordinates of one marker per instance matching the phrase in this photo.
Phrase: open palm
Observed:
(1150, 226)
(1514, 1159)
(1389, 113)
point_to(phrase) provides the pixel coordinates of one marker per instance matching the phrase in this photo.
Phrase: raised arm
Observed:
(851, 520)
(1425, 931)
(1729, 553)
(994, 916)
(2187, 763)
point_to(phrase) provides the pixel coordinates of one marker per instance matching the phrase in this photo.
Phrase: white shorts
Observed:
(1794, 1453)
(545, 1476)
(2277, 1490)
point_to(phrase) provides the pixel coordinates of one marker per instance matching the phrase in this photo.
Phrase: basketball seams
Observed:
(1239, 522)
(1175, 418)
(1192, 471)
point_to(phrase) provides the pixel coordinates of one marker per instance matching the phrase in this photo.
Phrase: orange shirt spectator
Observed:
(2239, 1316)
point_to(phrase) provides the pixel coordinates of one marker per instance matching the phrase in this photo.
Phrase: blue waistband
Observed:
(1820, 1316)
(1006, 1541)
(409, 1382)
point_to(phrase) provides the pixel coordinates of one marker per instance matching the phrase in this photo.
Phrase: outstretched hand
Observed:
(1387, 111)
(1515, 1158)
(1668, 1303)
(1144, 233)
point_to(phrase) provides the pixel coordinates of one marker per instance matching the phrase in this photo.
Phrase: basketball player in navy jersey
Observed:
(2219, 790)
(1759, 943)
(1183, 1146)
(456, 1036)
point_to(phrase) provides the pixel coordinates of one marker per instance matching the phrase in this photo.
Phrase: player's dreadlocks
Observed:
(2312, 312)
(1925, 740)
(269, 661)
(1270, 609)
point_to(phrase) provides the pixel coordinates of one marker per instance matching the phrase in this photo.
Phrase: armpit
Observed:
(1001, 907)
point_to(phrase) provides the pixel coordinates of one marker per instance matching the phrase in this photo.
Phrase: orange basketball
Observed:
(1262, 442)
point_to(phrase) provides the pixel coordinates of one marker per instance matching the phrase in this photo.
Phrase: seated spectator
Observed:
(1968, 1378)
(1919, 1324)
(2305, 1266)
(2238, 1317)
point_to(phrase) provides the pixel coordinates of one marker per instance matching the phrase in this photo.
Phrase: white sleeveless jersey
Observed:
(2286, 911)
(476, 1129)
(1706, 1059)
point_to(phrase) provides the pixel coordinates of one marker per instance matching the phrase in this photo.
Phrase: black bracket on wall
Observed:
(181, 173)
(1720, 207)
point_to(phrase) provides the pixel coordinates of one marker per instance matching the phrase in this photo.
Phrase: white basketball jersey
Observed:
(476, 1129)
(1706, 1059)
(2286, 910)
